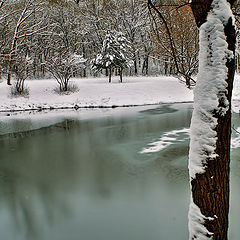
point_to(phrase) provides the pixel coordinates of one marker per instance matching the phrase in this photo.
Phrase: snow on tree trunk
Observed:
(209, 155)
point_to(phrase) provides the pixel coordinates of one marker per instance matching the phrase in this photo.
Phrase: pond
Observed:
(108, 174)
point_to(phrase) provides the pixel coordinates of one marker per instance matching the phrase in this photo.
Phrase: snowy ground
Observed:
(97, 92)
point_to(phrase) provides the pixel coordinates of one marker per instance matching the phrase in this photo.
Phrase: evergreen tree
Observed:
(125, 53)
(116, 53)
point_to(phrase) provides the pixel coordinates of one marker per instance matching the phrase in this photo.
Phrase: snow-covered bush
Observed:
(116, 53)
(21, 68)
(62, 68)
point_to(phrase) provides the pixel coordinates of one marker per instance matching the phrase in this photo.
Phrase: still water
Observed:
(121, 174)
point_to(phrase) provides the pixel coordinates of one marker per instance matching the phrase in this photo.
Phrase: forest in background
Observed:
(37, 36)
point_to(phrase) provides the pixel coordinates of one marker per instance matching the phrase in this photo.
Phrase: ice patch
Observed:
(167, 139)
(175, 136)
(235, 142)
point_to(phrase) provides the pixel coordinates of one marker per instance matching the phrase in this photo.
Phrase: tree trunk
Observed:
(188, 82)
(9, 78)
(165, 67)
(110, 75)
(84, 73)
(145, 65)
(120, 74)
(210, 189)
(65, 86)
(135, 66)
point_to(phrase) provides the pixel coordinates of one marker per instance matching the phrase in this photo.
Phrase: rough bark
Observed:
(200, 9)
(210, 190)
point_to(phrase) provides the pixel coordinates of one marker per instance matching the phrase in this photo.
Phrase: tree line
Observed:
(36, 36)
(39, 39)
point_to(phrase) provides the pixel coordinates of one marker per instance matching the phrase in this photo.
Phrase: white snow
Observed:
(97, 92)
(168, 138)
(196, 223)
(236, 95)
(180, 135)
(211, 87)
(235, 141)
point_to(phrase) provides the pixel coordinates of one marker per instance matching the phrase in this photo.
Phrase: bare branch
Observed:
(1, 3)
(235, 129)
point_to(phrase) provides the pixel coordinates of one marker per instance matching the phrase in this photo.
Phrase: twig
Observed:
(235, 130)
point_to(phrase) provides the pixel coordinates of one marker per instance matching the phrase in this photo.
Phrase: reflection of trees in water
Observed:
(31, 181)
(25, 197)
(39, 168)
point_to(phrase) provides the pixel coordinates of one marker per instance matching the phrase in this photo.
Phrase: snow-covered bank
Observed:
(97, 92)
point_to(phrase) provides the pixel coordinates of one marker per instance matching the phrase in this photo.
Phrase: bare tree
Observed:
(23, 28)
(176, 37)
(1, 3)
(22, 68)
(62, 67)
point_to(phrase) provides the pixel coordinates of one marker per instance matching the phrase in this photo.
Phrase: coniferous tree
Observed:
(116, 53)
(125, 53)
(105, 60)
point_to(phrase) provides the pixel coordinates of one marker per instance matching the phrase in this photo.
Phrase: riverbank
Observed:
(98, 93)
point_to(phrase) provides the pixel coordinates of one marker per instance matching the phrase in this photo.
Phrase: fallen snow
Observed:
(196, 223)
(97, 92)
(179, 135)
(168, 138)
(235, 142)
(211, 87)
(236, 94)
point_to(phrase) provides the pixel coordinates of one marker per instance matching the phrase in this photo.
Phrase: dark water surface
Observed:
(86, 178)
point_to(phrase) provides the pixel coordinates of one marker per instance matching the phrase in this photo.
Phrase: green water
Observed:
(85, 178)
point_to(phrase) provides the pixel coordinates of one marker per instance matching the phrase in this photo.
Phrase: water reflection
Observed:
(87, 180)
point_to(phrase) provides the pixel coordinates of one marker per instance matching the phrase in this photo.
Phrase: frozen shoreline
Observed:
(98, 93)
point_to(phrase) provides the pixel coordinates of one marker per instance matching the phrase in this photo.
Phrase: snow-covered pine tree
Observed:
(116, 53)
(105, 60)
(125, 52)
